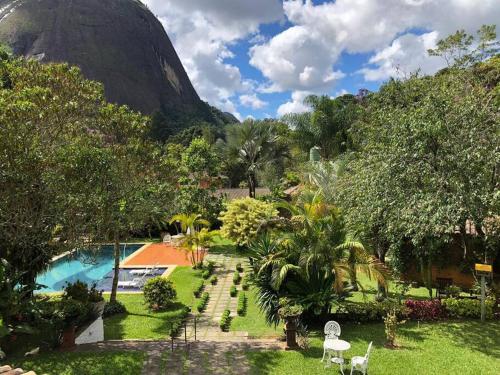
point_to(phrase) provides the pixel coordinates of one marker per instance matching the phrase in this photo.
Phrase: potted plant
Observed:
(71, 314)
(290, 313)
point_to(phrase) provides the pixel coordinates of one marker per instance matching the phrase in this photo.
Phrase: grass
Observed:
(254, 322)
(370, 291)
(140, 322)
(469, 347)
(85, 363)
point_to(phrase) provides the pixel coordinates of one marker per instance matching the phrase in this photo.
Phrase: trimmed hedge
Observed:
(202, 303)
(213, 280)
(368, 311)
(239, 268)
(468, 308)
(210, 267)
(425, 309)
(236, 278)
(206, 274)
(233, 291)
(225, 320)
(175, 325)
(244, 283)
(242, 304)
(199, 288)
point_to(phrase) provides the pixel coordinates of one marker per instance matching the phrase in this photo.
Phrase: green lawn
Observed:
(370, 291)
(254, 322)
(469, 347)
(91, 363)
(139, 322)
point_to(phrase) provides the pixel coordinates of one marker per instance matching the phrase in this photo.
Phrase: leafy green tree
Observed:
(428, 162)
(256, 145)
(244, 218)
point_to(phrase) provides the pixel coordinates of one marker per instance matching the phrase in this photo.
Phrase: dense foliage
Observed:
(244, 218)
(159, 293)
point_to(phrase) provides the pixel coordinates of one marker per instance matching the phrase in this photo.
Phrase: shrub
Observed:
(468, 308)
(225, 320)
(239, 268)
(236, 278)
(243, 218)
(199, 288)
(368, 311)
(159, 293)
(210, 267)
(202, 303)
(72, 312)
(425, 310)
(113, 308)
(233, 291)
(391, 323)
(79, 291)
(205, 274)
(453, 291)
(242, 304)
(244, 283)
(213, 280)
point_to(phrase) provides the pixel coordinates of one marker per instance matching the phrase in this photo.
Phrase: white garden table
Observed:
(338, 347)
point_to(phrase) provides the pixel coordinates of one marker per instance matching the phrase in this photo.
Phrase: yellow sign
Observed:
(484, 268)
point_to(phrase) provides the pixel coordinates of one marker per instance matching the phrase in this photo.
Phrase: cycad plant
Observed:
(310, 262)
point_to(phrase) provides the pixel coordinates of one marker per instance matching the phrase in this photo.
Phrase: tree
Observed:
(309, 260)
(244, 218)
(256, 145)
(327, 125)
(428, 163)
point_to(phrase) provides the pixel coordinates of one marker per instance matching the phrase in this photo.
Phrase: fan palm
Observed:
(189, 222)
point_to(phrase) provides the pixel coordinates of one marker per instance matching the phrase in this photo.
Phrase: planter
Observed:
(68, 338)
(291, 332)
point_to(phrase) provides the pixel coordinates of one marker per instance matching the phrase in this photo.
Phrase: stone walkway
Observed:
(207, 325)
(207, 357)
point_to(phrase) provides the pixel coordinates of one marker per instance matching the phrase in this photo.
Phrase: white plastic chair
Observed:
(332, 332)
(167, 238)
(361, 363)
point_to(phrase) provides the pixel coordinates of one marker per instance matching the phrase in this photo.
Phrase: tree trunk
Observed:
(116, 275)
(381, 289)
(251, 185)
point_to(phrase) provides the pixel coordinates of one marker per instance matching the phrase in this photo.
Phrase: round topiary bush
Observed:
(159, 293)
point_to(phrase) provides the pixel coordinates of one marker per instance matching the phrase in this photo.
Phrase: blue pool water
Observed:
(87, 266)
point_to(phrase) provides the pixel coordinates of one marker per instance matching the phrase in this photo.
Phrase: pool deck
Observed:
(160, 255)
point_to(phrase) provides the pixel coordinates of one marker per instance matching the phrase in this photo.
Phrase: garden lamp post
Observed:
(483, 270)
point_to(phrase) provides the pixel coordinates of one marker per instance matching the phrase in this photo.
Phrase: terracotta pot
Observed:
(68, 338)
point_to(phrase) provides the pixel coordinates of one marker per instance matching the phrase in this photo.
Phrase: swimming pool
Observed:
(84, 265)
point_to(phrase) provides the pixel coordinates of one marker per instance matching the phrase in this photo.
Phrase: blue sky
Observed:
(261, 58)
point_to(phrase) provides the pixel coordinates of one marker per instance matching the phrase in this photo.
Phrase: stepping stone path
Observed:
(207, 324)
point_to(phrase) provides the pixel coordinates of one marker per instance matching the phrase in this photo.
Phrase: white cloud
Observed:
(303, 56)
(202, 32)
(296, 105)
(405, 55)
(341, 93)
(252, 101)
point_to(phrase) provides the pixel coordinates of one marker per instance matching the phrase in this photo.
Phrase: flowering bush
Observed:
(425, 310)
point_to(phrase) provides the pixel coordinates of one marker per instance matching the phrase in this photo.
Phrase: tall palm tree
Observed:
(256, 145)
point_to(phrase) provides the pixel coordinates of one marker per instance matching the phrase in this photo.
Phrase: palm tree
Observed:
(195, 241)
(189, 222)
(256, 145)
(310, 263)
